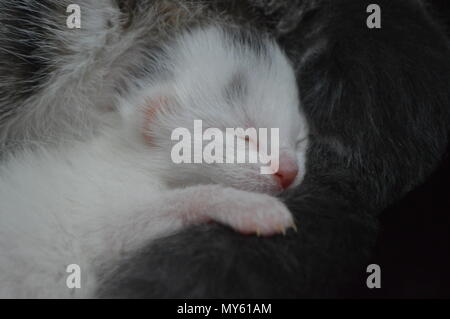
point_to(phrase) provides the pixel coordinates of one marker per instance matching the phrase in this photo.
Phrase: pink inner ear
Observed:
(152, 107)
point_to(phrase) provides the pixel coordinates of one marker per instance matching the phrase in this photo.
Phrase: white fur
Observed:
(88, 65)
(90, 203)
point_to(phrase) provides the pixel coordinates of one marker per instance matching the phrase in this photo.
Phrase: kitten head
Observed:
(228, 79)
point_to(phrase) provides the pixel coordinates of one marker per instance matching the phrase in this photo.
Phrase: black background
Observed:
(413, 249)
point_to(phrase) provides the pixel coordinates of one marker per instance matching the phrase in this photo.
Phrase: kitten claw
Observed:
(294, 227)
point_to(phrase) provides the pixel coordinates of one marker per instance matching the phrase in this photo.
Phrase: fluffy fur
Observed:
(57, 83)
(91, 203)
(378, 103)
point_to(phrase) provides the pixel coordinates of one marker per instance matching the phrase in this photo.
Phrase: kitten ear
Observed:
(154, 110)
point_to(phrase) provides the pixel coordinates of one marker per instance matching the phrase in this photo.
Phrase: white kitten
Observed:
(96, 201)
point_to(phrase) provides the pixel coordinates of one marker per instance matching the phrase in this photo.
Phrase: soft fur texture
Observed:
(378, 104)
(91, 203)
(56, 82)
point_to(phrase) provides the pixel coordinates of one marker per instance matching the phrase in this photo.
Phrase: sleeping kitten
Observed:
(377, 103)
(91, 203)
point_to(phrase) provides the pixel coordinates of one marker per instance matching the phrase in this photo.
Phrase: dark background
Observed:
(413, 249)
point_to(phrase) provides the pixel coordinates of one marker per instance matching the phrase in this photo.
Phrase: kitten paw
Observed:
(259, 214)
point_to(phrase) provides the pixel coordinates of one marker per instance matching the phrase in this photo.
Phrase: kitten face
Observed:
(226, 83)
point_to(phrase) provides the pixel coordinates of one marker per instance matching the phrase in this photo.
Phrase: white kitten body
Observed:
(89, 203)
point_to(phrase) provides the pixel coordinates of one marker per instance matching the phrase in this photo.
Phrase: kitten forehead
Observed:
(212, 58)
(237, 89)
(232, 78)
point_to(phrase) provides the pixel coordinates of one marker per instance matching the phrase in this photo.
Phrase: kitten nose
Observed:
(287, 171)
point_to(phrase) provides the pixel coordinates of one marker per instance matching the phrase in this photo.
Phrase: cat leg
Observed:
(245, 212)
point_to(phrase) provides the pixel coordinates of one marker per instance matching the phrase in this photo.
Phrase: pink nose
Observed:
(287, 171)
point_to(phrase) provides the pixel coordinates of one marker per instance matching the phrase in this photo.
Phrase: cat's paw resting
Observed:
(253, 213)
